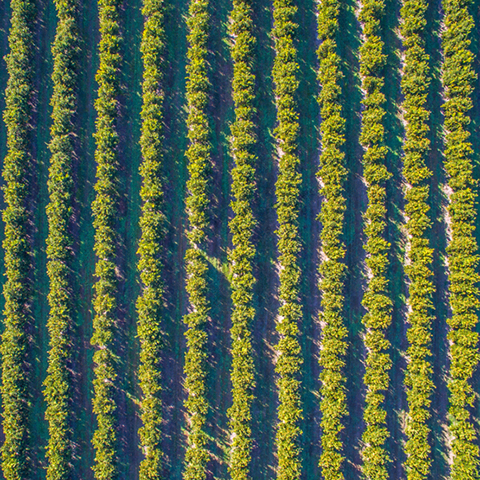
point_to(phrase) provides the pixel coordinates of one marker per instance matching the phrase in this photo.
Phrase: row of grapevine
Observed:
(376, 299)
(58, 384)
(458, 79)
(415, 87)
(16, 395)
(333, 174)
(287, 190)
(199, 158)
(242, 227)
(105, 213)
(149, 304)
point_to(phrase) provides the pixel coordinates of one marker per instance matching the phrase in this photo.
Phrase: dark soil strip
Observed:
(440, 465)
(129, 213)
(175, 173)
(128, 234)
(310, 231)
(221, 115)
(395, 399)
(264, 335)
(355, 191)
(84, 259)
(45, 33)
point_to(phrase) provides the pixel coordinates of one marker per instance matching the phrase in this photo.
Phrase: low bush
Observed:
(15, 349)
(376, 300)
(199, 159)
(333, 174)
(242, 226)
(418, 379)
(105, 208)
(287, 191)
(458, 79)
(152, 223)
(58, 384)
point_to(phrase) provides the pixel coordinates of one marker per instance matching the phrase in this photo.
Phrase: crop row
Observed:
(333, 174)
(58, 383)
(415, 87)
(376, 299)
(458, 79)
(242, 227)
(149, 304)
(16, 396)
(287, 193)
(105, 208)
(199, 158)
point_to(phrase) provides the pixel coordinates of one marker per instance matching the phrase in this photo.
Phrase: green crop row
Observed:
(415, 86)
(149, 304)
(376, 299)
(16, 399)
(458, 79)
(199, 159)
(242, 226)
(15, 350)
(105, 213)
(333, 174)
(289, 245)
(58, 388)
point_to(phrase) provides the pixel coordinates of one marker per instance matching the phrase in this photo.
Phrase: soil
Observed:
(355, 190)
(84, 260)
(221, 115)
(265, 403)
(310, 228)
(129, 157)
(38, 197)
(438, 236)
(175, 175)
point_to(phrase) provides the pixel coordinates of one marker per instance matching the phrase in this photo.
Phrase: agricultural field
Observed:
(240, 239)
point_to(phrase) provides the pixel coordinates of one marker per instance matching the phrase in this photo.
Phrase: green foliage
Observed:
(198, 154)
(242, 226)
(105, 212)
(376, 299)
(287, 192)
(333, 269)
(149, 304)
(415, 85)
(458, 79)
(59, 242)
(16, 398)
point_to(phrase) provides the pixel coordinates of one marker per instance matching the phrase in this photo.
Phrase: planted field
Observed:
(240, 239)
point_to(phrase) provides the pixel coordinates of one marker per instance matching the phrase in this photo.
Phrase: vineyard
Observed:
(240, 239)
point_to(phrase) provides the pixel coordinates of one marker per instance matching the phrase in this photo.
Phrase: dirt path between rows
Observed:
(175, 175)
(38, 199)
(84, 260)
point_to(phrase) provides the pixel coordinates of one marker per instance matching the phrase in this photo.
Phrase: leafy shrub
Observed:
(332, 269)
(149, 304)
(242, 226)
(105, 208)
(377, 299)
(288, 244)
(415, 85)
(198, 154)
(15, 350)
(458, 80)
(58, 389)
